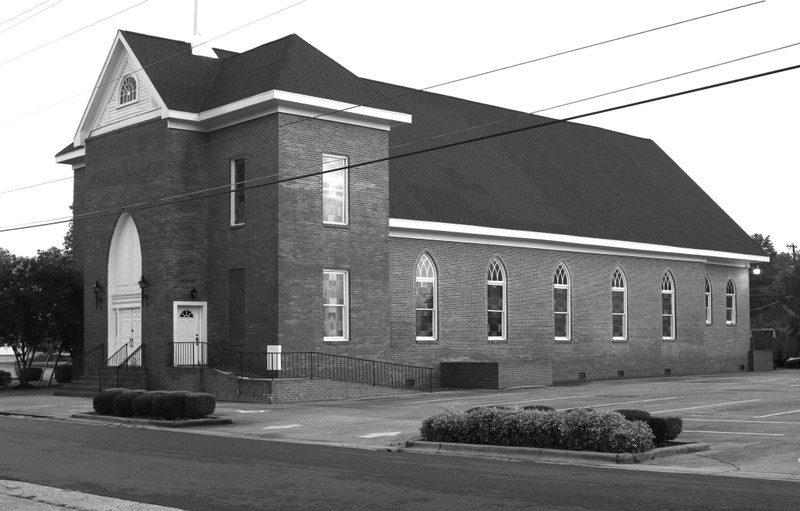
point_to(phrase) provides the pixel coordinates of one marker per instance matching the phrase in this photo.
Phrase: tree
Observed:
(40, 304)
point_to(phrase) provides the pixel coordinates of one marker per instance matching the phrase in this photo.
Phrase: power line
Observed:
(29, 17)
(456, 80)
(35, 185)
(190, 196)
(72, 33)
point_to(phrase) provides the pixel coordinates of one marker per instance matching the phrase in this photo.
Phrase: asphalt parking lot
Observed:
(750, 420)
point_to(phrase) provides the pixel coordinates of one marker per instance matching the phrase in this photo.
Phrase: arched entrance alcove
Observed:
(124, 295)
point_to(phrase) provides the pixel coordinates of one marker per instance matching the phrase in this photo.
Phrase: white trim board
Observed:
(461, 233)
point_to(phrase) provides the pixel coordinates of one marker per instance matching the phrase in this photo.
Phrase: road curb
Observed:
(551, 454)
(209, 421)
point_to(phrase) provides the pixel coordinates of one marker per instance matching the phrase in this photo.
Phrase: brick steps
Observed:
(85, 386)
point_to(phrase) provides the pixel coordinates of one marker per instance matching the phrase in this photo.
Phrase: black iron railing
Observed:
(118, 375)
(302, 365)
(94, 358)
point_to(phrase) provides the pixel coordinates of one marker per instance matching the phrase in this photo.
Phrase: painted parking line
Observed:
(730, 432)
(379, 435)
(708, 406)
(741, 421)
(286, 426)
(252, 411)
(634, 402)
(490, 395)
(775, 414)
(540, 400)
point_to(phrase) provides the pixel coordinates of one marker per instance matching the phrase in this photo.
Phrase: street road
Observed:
(197, 472)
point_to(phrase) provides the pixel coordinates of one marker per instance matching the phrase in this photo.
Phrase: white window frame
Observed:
(668, 289)
(708, 301)
(730, 297)
(345, 305)
(490, 281)
(134, 94)
(327, 161)
(563, 283)
(237, 187)
(428, 277)
(623, 288)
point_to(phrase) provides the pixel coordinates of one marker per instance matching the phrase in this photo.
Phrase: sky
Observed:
(738, 142)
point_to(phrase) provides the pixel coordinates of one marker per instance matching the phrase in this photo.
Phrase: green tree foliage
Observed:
(778, 283)
(40, 304)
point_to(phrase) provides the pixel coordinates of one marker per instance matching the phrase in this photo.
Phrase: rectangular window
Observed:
(334, 190)
(618, 314)
(236, 307)
(729, 315)
(335, 303)
(667, 316)
(237, 192)
(561, 312)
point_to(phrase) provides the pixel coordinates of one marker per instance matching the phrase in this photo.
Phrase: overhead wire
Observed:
(29, 17)
(448, 82)
(190, 196)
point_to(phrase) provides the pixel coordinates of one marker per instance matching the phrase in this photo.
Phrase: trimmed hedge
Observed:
(664, 429)
(5, 377)
(579, 429)
(63, 373)
(157, 404)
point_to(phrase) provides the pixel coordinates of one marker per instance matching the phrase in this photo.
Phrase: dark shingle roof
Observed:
(565, 178)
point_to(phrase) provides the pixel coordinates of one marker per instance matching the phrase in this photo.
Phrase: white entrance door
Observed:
(128, 332)
(190, 348)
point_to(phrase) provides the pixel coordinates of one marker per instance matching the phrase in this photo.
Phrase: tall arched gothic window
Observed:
(425, 298)
(730, 303)
(667, 306)
(708, 301)
(619, 306)
(561, 303)
(496, 300)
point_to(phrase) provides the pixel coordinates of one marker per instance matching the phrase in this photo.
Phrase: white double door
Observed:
(128, 330)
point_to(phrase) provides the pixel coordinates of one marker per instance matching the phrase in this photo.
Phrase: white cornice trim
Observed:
(75, 154)
(460, 233)
(286, 102)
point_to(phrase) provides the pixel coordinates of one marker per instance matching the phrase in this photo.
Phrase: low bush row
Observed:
(170, 405)
(580, 429)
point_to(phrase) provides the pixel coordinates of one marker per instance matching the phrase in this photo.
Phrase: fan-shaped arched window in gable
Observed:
(127, 90)
(425, 298)
(708, 300)
(561, 303)
(619, 306)
(667, 306)
(730, 303)
(496, 301)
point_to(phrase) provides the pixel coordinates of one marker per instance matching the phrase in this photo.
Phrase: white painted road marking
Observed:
(377, 435)
(252, 411)
(708, 406)
(775, 414)
(538, 400)
(730, 432)
(287, 426)
(632, 402)
(742, 421)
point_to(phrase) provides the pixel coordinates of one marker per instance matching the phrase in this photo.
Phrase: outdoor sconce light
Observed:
(756, 270)
(143, 286)
(193, 293)
(97, 290)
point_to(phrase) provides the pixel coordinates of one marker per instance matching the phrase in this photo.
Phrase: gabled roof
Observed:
(565, 178)
(193, 83)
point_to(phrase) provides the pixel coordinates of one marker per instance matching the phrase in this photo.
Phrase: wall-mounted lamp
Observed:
(193, 293)
(756, 270)
(143, 286)
(97, 288)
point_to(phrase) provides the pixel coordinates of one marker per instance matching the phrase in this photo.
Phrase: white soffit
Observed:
(459, 233)
(286, 102)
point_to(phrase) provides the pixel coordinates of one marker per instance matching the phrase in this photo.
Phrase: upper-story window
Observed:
(425, 298)
(496, 301)
(561, 303)
(619, 306)
(127, 90)
(667, 306)
(237, 192)
(730, 303)
(334, 190)
(708, 301)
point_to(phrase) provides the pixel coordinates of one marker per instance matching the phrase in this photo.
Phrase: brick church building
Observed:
(272, 201)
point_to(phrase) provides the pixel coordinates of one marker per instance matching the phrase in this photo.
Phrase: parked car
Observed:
(792, 362)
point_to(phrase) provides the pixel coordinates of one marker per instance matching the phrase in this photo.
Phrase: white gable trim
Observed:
(459, 233)
(107, 82)
(286, 102)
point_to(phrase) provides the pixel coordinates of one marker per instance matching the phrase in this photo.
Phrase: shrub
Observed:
(200, 404)
(30, 374)
(541, 408)
(5, 377)
(665, 429)
(634, 415)
(122, 403)
(578, 429)
(63, 373)
(142, 405)
(170, 405)
(103, 403)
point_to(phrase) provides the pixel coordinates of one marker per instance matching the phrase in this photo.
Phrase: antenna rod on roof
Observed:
(194, 31)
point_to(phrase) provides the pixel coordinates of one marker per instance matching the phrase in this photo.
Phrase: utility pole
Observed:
(794, 253)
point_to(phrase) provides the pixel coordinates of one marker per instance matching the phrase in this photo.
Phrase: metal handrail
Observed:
(134, 361)
(302, 365)
(93, 358)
